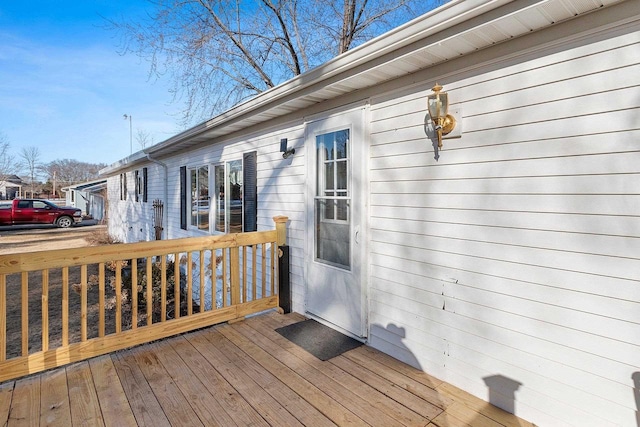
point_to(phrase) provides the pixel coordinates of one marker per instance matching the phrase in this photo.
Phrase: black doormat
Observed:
(318, 339)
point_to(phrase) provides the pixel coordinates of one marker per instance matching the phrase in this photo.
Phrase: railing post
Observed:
(281, 229)
(284, 284)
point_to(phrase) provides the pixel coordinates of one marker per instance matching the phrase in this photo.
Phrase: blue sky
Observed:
(64, 88)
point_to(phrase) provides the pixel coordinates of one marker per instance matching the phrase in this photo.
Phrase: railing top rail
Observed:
(34, 261)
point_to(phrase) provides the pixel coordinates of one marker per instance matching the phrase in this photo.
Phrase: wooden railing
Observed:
(128, 294)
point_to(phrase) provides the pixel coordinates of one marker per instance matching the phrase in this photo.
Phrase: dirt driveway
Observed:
(15, 239)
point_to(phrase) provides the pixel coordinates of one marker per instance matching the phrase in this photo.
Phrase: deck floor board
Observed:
(54, 400)
(241, 374)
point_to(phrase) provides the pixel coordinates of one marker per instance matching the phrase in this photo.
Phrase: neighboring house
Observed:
(88, 196)
(508, 262)
(10, 187)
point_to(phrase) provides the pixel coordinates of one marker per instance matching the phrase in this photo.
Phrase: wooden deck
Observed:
(242, 374)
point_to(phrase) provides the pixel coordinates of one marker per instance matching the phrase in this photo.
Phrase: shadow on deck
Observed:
(241, 374)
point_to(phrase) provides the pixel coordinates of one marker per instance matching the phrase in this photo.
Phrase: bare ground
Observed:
(23, 239)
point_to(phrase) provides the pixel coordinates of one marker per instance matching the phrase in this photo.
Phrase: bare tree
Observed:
(68, 171)
(144, 138)
(30, 163)
(8, 165)
(220, 52)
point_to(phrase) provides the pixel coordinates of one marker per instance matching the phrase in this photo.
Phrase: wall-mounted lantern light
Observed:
(286, 152)
(438, 105)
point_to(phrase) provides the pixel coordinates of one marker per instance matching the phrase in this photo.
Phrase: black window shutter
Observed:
(183, 197)
(137, 184)
(144, 185)
(250, 192)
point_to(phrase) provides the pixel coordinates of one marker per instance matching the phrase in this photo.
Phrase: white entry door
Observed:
(334, 250)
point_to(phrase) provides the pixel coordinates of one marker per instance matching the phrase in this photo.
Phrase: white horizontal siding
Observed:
(280, 192)
(130, 220)
(517, 251)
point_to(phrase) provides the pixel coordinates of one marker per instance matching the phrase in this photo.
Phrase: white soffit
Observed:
(525, 20)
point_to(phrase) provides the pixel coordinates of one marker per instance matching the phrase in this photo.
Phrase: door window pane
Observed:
(333, 242)
(332, 222)
(328, 173)
(341, 141)
(341, 175)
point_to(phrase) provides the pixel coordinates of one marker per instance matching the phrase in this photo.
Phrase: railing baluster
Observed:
(101, 299)
(274, 249)
(235, 275)
(118, 296)
(176, 286)
(134, 293)
(3, 317)
(244, 274)
(163, 288)
(25, 313)
(83, 302)
(202, 275)
(263, 285)
(224, 277)
(45, 310)
(214, 279)
(149, 291)
(65, 306)
(189, 284)
(254, 272)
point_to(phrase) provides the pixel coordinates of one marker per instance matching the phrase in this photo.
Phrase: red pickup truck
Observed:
(35, 211)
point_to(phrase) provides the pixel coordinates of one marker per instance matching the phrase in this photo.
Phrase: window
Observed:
(233, 200)
(199, 186)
